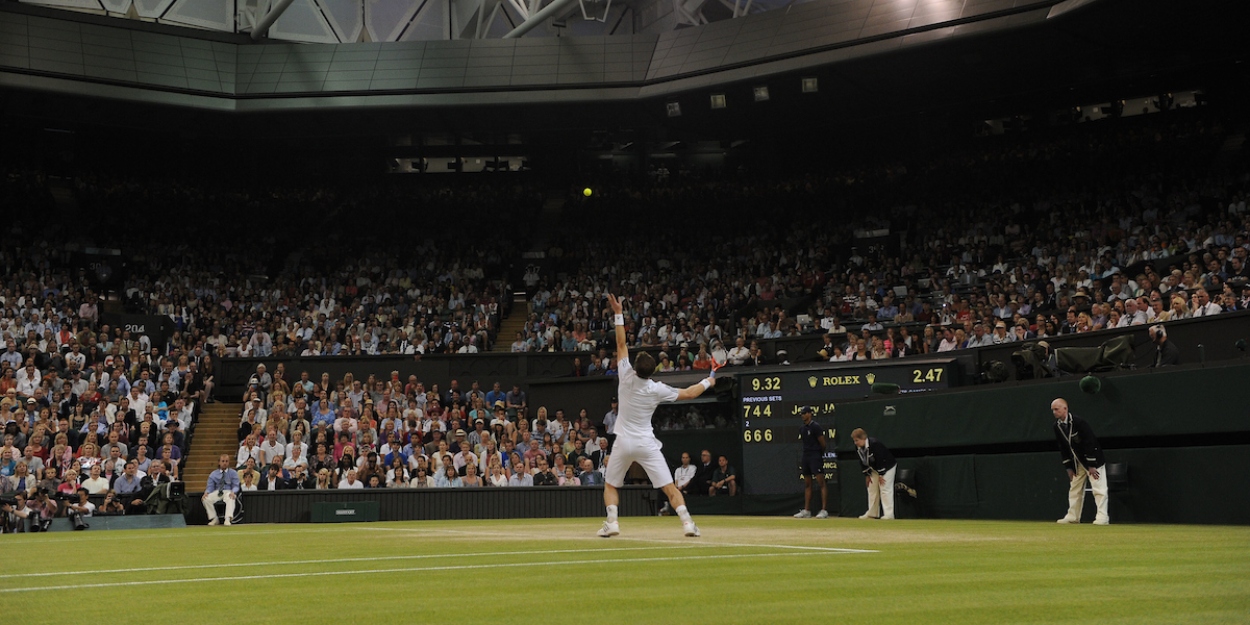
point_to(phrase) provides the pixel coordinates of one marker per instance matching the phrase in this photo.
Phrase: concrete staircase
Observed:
(215, 434)
(510, 325)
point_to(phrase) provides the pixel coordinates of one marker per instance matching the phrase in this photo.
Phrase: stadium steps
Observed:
(216, 433)
(510, 325)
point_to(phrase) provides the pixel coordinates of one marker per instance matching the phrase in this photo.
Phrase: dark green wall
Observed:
(1139, 404)
(1165, 485)
(976, 450)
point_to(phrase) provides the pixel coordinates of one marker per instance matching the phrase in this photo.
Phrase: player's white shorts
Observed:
(646, 452)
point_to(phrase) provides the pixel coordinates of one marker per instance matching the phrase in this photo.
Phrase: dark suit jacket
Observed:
(1078, 443)
(280, 481)
(1168, 354)
(293, 483)
(878, 456)
(597, 457)
(702, 479)
(545, 478)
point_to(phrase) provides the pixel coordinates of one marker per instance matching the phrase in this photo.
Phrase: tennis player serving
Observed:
(635, 440)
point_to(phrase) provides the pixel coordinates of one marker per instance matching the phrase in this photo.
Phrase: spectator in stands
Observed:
(248, 481)
(544, 476)
(96, 484)
(449, 478)
(350, 480)
(520, 474)
(1202, 305)
(589, 476)
(129, 488)
(300, 478)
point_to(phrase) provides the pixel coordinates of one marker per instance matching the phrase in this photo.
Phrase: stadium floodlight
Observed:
(718, 101)
(811, 85)
(761, 93)
(673, 108)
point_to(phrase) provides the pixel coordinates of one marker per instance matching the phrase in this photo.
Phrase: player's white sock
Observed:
(611, 514)
(684, 514)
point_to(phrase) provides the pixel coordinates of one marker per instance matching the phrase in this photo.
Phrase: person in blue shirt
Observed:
(812, 465)
(223, 485)
(323, 413)
(129, 483)
(589, 476)
(495, 395)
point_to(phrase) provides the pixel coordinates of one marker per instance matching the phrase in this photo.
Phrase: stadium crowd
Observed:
(1026, 238)
(395, 433)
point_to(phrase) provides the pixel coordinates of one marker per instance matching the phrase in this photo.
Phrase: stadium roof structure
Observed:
(852, 58)
(358, 21)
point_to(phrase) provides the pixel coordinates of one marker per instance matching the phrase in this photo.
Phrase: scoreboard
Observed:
(771, 402)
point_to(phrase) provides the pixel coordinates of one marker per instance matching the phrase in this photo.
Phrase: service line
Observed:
(459, 567)
(230, 565)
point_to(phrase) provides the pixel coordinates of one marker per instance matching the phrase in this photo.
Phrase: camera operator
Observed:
(42, 510)
(13, 514)
(77, 511)
(111, 506)
(83, 506)
(1167, 354)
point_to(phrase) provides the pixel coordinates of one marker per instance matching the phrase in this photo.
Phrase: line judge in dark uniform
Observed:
(812, 465)
(1083, 458)
(879, 466)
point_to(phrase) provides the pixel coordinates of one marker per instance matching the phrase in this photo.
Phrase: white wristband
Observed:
(705, 383)
(620, 319)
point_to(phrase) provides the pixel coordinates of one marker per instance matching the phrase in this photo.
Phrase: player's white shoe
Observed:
(803, 514)
(609, 530)
(823, 514)
(865, 516)
(1102, 521)
(1067, 520)
(691, 529)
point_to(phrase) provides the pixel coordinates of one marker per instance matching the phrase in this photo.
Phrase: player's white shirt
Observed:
(638, 399)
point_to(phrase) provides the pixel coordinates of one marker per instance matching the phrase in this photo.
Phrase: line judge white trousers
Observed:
(212, 498)
(1076, 494)
(884, 493)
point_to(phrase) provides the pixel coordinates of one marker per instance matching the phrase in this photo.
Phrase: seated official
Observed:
(223, 486)
(724, 479)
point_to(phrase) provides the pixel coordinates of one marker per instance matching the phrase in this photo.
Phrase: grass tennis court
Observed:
(743, 570)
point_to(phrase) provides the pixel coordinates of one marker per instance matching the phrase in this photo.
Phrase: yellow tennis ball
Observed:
(587, 192)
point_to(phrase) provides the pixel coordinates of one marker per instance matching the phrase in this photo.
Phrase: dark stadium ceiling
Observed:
(1108, 49)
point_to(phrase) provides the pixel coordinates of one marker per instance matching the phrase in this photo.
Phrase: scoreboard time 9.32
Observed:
(771, 403)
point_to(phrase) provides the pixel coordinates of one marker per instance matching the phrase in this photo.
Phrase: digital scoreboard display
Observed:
(770, 406)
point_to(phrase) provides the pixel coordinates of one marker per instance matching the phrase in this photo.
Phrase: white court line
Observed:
(461, 567)
(143, 535)
(665, 541)
(230, 565)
